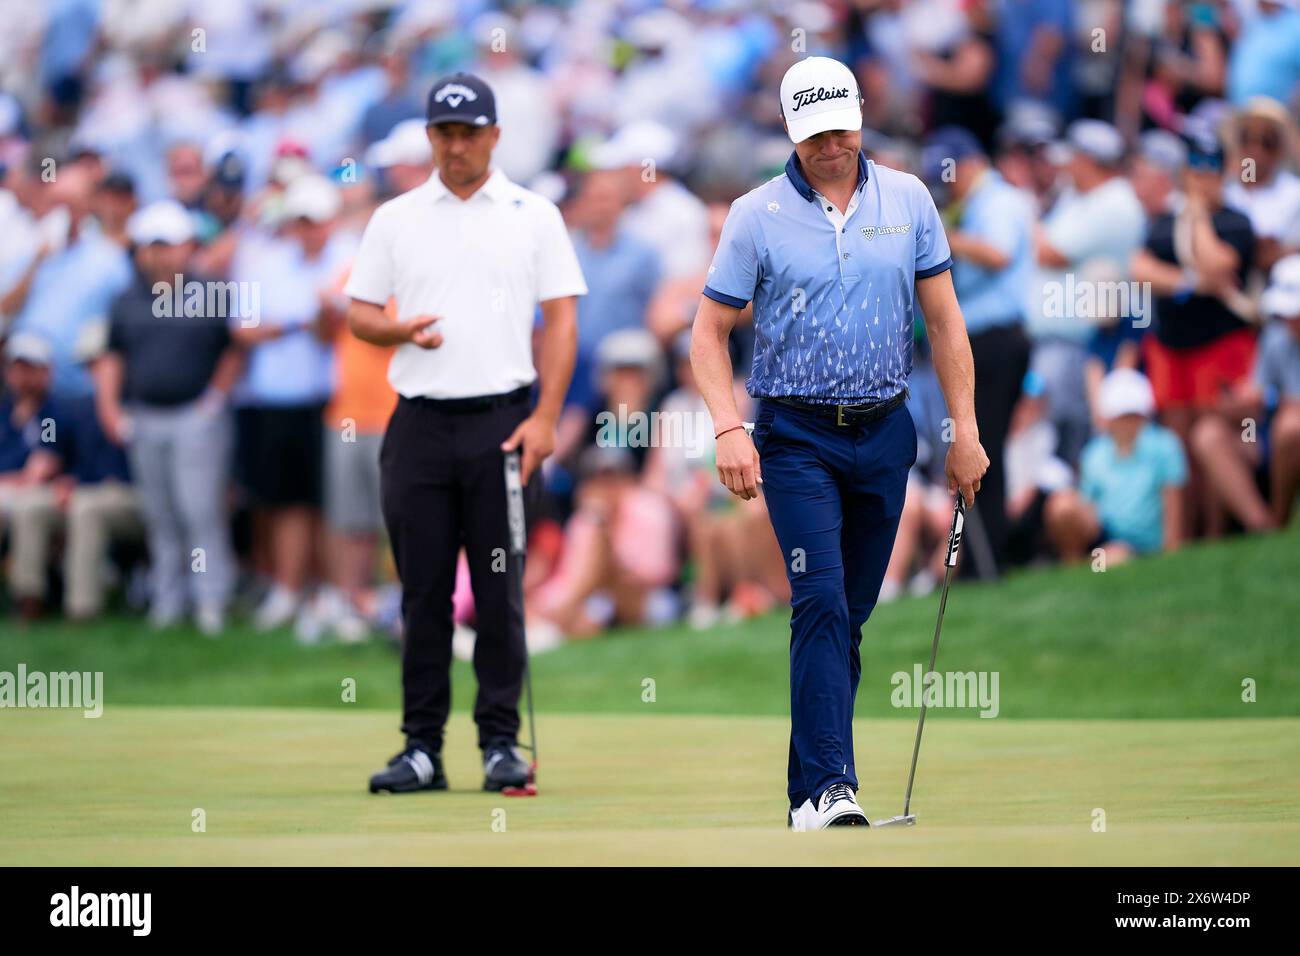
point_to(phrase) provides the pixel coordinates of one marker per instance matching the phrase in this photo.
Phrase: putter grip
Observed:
(515, 502)
(954, 534)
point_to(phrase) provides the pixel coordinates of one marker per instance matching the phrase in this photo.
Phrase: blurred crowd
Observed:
(1118, 180)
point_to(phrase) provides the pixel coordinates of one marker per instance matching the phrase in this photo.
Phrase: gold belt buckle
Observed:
(839, 414)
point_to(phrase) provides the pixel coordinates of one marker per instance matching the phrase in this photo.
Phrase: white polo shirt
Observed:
(482, 264)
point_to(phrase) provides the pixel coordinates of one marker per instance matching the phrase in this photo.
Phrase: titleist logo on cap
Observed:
(809, 96)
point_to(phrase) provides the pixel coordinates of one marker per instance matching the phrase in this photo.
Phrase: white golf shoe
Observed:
(802, 817)
(838, 807)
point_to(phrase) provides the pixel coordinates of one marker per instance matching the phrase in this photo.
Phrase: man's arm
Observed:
(966, 461)
(558, 353)
(228, 369)
(737, 459)
(107, 372)
(986, 255)
(41, 467)
(370, 323)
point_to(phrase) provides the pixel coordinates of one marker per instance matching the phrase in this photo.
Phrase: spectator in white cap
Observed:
(1087, 238)
(29, 451)
(161, 391)
(88, 504)
(68, 280)
(1131, 478)
(1232, 457)
(525, 101)
(403, 157)
(1156, 168)
(662, 212)
(285, 387)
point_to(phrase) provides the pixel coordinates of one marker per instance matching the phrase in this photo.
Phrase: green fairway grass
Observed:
(288, 786)
(1119, 693)
(1170, 636)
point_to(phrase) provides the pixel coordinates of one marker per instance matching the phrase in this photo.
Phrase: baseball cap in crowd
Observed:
(947, 143)
(1163, 149)
(1098, 140)
(165, 221)
(30, 348)
(461, 98)
(636, 143)
(407, 144)
(311, 197)
(629, 348)
(230, 170)
(1029, 125)
(1204, 151)
(1282, 297)
(117, 182)
(1125, 391)
(819, 94)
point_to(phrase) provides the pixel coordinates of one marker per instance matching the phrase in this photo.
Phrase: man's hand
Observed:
(115, 422)
(419, 331)
(536, 434)
(738, 466)
(965, 466)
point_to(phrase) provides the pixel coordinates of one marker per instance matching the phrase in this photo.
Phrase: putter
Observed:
(907, 818)
(518, 548)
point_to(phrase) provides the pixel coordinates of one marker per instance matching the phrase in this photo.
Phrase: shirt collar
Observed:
(794, 172)
(495, 187)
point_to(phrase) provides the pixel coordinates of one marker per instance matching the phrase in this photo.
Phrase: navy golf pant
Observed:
(834, 494)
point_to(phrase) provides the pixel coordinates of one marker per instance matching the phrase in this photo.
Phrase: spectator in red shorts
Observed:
(1203, 347)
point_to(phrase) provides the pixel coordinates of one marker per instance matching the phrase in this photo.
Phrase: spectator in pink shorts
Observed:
(620, 547)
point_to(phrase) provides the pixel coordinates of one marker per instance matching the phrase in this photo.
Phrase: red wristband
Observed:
(725, 430)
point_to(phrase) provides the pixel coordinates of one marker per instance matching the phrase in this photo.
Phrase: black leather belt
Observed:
(846, 415)
(474, 403)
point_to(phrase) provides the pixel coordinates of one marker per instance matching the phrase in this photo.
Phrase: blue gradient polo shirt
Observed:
(834, 294)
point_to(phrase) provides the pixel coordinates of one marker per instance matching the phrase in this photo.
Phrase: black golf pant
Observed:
(1001, 355)
(443, 487)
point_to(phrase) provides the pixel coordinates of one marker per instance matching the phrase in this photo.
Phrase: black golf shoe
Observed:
(503, 768)
(413, 769)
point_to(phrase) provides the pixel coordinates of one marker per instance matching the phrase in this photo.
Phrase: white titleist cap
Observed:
(818, 94)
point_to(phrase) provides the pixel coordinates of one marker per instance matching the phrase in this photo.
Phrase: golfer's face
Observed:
(461, 151)
(830, 155)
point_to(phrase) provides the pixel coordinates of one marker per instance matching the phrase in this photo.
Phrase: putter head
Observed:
(903, 820)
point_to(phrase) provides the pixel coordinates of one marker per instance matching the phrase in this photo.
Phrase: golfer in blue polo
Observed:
(836, 254)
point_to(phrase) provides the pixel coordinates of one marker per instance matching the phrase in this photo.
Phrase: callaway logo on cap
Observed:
(461, 98)
(817, 94)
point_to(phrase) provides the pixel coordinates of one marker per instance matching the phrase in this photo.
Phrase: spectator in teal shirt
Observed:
(1131, 478)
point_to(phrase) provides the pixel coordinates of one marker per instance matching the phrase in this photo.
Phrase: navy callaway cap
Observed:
(461, 98)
